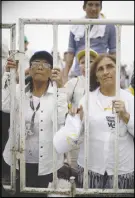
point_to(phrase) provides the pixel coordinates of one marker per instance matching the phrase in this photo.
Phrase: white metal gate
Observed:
(12, 28)
(72, 191)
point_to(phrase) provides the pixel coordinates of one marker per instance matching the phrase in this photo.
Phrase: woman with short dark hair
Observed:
(39, 106)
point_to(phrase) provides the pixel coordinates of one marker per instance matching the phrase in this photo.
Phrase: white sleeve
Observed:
(82, 102)
(62, 105)
(5, 107)
(130, 125)
(67, 136)
(70, 85)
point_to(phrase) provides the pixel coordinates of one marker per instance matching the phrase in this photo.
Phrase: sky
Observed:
(41, 37)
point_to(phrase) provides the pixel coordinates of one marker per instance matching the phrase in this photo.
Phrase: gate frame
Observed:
(12, 28)
(55, 23)
(87, 23)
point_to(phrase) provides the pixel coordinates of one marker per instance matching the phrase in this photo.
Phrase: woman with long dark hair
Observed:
(103, 108)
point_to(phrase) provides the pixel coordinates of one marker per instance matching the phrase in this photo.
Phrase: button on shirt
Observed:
(39, 142)
(102, 136)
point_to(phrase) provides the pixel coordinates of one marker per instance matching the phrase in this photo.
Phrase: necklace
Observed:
(108, 107)
(34, 110)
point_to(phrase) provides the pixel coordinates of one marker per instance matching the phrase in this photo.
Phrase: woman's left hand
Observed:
(120, 108)
(57, 77)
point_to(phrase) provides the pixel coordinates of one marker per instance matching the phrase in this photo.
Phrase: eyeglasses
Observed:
(37, 64)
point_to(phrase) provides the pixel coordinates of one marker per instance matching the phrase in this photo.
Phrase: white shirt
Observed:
(32, 152)
(105, 101)
(102, 135)
(5, 55)
(39, 147)
(96, 31)
(75, 89)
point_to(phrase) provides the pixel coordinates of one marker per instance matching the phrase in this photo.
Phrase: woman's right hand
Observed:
(81, 112)
(11, 64)
(73, 111)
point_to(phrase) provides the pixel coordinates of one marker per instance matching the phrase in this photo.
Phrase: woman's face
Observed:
(40, 70)
(106, 72)
(82, 64)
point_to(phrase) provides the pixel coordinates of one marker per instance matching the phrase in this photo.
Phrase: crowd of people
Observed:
(69, 139)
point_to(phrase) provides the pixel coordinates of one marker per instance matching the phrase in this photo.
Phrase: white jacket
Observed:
(102, 135)
(5, 55)
(75, 91)
(44, 131)
(75, 85)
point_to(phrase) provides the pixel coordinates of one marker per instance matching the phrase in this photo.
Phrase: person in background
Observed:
(103, 107)
(4, 56)
(124, 77)
(4, 115)
(103, 37)
(71, 72)
(132, 85)
(27, 56)
(26, 43)
(64, 56)
(39, 105)
(76, 86)
(60, 62)
(75, 90)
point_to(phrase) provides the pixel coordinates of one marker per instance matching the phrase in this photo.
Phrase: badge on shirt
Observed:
(111, 122)
(28, 131)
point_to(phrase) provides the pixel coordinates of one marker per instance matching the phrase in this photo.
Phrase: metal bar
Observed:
(86, 116)
(43, 21)
(47, 190)
(12, 28)
(7, 187)
(79, 191)
(116, 150)
(22, 106)
(12, 110)
(73, 187)
(55, 114)
(54, 190)
(103, 192)
(7, 25)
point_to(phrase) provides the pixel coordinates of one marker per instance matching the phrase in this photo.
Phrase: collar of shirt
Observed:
(50, 90)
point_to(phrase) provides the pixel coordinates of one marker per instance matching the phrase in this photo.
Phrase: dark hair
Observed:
(85, 2)
(132, 81)
(65, 53)
(93, 79)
